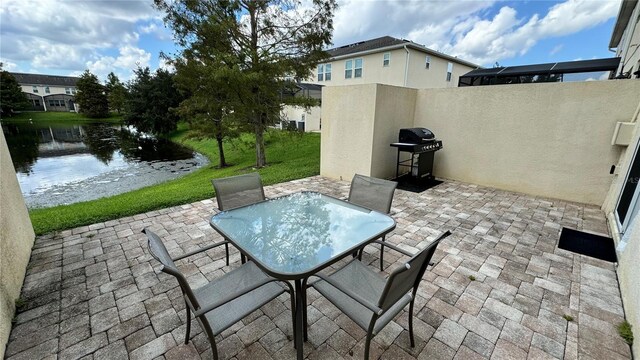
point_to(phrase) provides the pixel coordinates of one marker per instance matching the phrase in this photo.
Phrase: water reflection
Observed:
(301, 231)
(48, 156)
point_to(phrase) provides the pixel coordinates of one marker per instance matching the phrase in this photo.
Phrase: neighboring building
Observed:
(626, 39)
(391, 61)
(49, 92)
(298, 117)
(385, 60)
(536, 73)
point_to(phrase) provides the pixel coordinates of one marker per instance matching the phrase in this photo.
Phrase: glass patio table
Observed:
(294, 236)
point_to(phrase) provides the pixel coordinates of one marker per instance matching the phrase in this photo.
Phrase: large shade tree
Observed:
(250, 48)
(152, 100)
(116, 92)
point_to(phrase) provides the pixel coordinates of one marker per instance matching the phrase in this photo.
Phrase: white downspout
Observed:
(406, 65)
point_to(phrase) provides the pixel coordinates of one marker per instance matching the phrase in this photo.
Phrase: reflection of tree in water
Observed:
(23, 143)
(101, 141)
(286, 229)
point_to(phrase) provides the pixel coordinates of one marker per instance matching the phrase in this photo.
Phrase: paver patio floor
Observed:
(500, 288)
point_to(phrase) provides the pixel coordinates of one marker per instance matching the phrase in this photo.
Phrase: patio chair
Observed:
(225, 300)
(375, 194)
(236, 191)
(370, 300)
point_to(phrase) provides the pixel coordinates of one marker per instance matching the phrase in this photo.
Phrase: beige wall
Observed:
(347, 130)
(53, 90)
(549, 139)
(629, 247)
(418, 76)
(16, 240)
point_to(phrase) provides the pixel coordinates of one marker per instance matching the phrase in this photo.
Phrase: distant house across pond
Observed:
(49, 92)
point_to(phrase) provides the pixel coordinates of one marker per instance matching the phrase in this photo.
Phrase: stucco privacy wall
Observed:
(551, 139)
(16, 240)
(345, 145)
(358, 124)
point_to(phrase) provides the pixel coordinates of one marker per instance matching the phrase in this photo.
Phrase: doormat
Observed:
(596, 246)
(408, 184)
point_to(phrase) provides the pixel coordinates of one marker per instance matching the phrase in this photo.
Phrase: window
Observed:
(34, 89)
(449, 71)
(357, 70)
(46, 90)
(324, 72)
(386, 58)
(67, 91)
(74, 91)
(348, 69)
(52, 103)
(36, 102)
(427, 62)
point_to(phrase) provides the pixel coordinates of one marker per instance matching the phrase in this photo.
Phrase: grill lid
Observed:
(416, 136)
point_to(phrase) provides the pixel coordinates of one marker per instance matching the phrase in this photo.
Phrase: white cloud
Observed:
(129, 59)
(463, 28)
(556, 49)
(163, 64)
(8, 65)
(71, 35)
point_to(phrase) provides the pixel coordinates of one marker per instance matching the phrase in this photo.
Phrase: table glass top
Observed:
(298, 233)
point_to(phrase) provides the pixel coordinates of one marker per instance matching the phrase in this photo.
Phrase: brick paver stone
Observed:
(499, 289)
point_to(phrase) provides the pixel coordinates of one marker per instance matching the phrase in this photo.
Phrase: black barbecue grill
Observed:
(422, 145)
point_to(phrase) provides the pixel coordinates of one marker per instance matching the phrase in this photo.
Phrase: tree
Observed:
(152, 100)
(91, 96)
(116, 92)
(11, 96)
(250, 47)
(203, 108)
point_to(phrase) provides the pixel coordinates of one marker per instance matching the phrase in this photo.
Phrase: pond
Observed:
(64, 163)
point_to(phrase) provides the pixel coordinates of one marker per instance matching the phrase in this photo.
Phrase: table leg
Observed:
(299, 331)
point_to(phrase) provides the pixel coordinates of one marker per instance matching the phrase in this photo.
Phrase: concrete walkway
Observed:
(500, 289)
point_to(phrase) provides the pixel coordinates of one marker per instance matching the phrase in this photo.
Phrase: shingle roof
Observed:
(366, 46)
(39, 79)
(389, 43)
(566, 67)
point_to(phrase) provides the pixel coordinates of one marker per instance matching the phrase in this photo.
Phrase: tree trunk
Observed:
(261, 159)
(223, 161)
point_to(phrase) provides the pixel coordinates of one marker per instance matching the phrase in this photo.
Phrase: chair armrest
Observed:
(209, 247)
(231, 297)
(393, 247)
(364, 302)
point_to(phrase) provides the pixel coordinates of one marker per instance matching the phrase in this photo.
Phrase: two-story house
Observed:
(385, 60)
(49, 92)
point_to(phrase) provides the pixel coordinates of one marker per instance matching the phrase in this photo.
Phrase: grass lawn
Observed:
(290, 156)
(58, 116)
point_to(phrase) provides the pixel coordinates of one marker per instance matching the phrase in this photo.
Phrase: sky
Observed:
(65, 37)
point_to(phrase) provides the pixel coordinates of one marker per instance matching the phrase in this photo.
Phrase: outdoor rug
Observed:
(599, 247)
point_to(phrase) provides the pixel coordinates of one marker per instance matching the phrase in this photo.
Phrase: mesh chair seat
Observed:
(367, 284)
(372, 301)
(243, 277)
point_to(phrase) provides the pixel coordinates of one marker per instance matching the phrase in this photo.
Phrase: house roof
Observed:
(309, 86)
(39, 79)
(387, 43)
(626, 10)
(567, 67)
